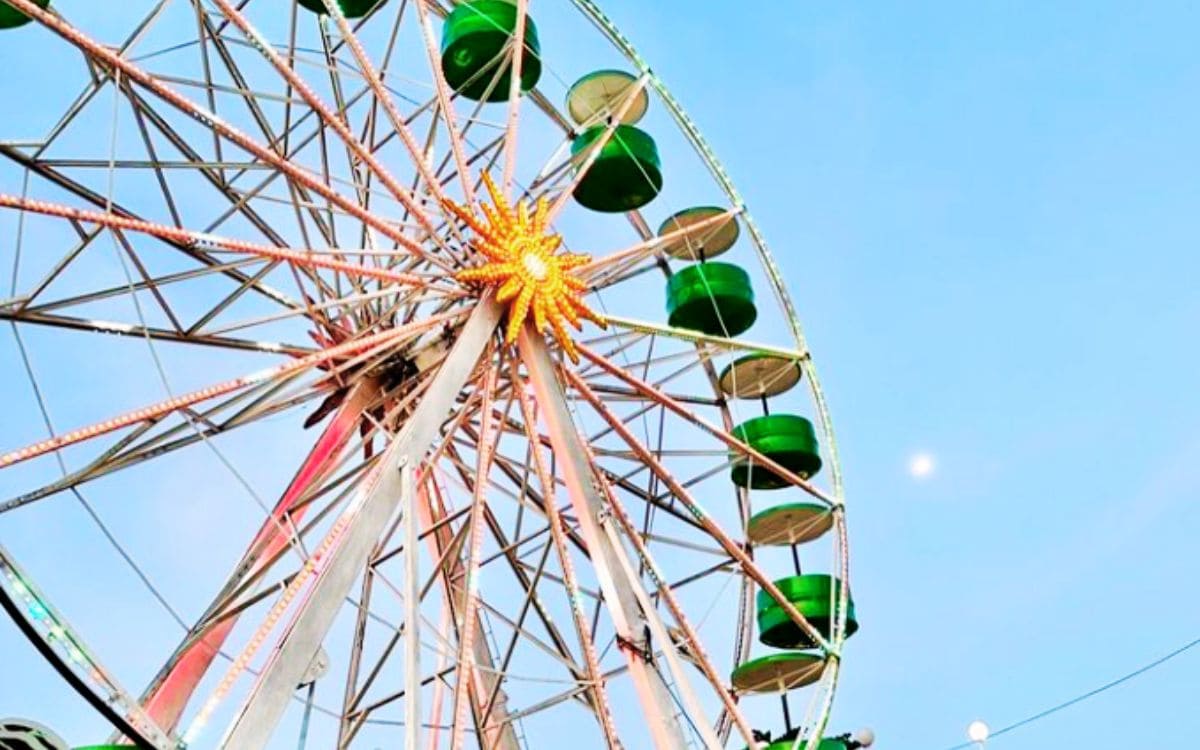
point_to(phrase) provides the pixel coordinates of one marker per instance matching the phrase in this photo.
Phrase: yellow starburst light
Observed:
(523, 265)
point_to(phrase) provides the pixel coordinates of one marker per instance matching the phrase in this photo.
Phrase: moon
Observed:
(921, 466)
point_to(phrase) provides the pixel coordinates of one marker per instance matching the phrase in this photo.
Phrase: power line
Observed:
(1085, 696)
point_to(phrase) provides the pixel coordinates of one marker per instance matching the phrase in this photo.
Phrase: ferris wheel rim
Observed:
(838, 505)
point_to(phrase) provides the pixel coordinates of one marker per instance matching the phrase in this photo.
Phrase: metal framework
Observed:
(483, 544)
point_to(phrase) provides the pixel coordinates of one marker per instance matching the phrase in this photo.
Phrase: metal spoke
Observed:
(286, 182)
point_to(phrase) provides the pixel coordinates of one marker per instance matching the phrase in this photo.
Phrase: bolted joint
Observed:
(639, 647)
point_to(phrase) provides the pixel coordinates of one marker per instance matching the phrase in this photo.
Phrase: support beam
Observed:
(412, 606)
(170, 693)
(365, 520)
(487, 681)
(603, 545)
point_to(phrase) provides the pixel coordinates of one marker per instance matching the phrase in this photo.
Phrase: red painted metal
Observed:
(167, 701)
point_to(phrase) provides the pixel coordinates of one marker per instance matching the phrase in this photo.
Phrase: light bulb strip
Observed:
(168, 406)
(239, 665)
(204, 239)
(338, 126)
(111, 58)
(516, 60)
(558, 534)
(444, 96)
(58, 634)
(475, 524)
(375, 83)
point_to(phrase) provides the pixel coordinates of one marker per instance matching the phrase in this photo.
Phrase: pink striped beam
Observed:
(335, 123)
(466, 658)
(514, 97)
(559, 537)
(731, 547)
(375, 82)
(188, 237)
(171, 405)
(445, 101)
(168, 699)
(110, 58)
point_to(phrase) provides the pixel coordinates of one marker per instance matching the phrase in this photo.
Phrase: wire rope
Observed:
(1089, 694)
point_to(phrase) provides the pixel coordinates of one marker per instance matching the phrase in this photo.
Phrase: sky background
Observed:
(989, 215)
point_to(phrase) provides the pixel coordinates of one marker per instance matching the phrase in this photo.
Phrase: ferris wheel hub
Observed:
(521, 263)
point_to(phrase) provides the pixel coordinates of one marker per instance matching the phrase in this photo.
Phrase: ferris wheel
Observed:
(374, 379)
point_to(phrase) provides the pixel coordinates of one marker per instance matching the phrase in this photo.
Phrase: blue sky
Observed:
(988, 214)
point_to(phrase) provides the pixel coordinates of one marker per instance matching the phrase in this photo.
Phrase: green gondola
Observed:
(789, 524)
(350, 8)
(699, 244)
(11, 18)
(713, 298)
(625, 175)
(814, 596)
(473, 39)
(786, 439)
(777, 673)
(599, 95)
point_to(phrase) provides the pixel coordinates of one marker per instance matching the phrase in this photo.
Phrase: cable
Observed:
(1085, 696)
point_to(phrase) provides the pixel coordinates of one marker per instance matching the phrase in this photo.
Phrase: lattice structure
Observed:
(373, 285)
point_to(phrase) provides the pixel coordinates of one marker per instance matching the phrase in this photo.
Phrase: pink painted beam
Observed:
(578, 477)
(163, 408)
(122, 66)
(735, 550)
(187, 237)
(168, 699)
